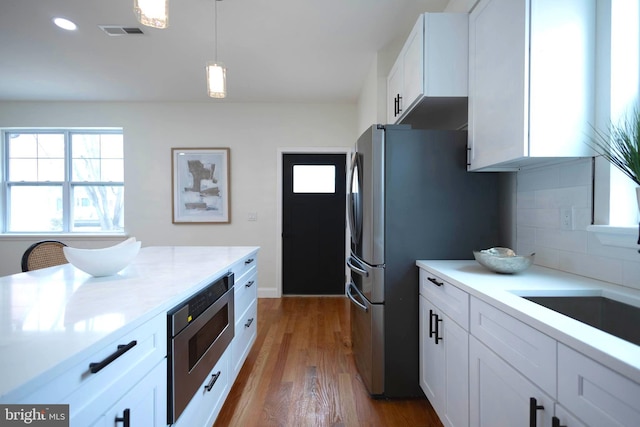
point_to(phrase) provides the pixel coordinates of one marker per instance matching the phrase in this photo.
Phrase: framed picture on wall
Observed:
(200, 185)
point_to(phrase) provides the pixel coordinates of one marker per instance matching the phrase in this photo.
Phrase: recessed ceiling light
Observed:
(65, 24)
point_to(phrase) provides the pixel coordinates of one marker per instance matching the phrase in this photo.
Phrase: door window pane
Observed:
(314, 179)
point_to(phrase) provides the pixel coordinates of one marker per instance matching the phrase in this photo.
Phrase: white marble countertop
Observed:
(50, 317)
(503, 290)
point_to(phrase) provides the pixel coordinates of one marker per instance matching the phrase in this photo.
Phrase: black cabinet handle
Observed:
(214, 378)
(435, 281)
(555, 422)
(431, 330)
(248, 261)
(396, 105)
(533, 411)
(438, 337)
(122, 349)
(125, 418)
(249, 322)
(249, 283)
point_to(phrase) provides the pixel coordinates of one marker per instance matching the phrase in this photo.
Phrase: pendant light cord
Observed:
(215, 30)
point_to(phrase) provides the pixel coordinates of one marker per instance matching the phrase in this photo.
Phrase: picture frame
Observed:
(200, 184)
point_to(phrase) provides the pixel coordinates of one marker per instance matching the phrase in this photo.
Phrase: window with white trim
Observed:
(62, 181)
(619, 34)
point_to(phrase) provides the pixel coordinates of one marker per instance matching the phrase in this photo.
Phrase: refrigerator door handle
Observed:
(358, 270)
(353, 299)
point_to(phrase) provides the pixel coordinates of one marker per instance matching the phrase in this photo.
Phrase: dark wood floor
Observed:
(300, 373)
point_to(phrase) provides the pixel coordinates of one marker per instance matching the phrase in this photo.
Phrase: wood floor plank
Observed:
(300, 373)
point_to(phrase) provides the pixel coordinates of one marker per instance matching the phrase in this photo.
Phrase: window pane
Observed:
(98, 208)
(35, 208)
(314, 179)
(89, 152)
(36, 157)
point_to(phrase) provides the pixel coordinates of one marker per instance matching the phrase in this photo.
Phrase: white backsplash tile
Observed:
(540, 196)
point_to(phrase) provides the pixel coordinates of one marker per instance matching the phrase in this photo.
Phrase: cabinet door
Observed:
(498, 90)
(394, 92)
(595, 393)
(444, 365)
(499, 395)
(413, 66)
(145, 405)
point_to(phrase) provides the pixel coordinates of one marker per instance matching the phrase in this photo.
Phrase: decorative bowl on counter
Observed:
(503, 260)
(104, 261)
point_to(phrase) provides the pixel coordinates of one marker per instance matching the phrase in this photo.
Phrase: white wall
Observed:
(254, 132)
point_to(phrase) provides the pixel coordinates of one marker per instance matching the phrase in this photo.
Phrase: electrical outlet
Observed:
(566, 218)
(252, 216)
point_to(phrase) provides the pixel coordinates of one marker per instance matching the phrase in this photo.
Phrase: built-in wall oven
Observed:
(199, 331)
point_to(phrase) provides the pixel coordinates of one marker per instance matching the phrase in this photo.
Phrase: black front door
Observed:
(313, 224)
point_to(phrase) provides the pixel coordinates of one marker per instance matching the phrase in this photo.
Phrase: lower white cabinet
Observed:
(500, 395)
(145, 405)
(444, 349)
(444, 374)
(598, 395)
(206, 404)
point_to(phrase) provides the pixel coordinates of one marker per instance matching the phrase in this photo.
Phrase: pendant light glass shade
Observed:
(216, 80)
(152, 13)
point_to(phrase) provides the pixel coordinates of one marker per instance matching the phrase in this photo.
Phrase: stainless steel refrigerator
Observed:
(410, 197)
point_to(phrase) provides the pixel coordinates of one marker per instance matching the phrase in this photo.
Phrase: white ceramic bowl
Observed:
(503, 260)
(104, 261)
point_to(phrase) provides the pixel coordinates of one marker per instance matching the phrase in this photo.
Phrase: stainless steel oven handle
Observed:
(358, 270)
(353, 299)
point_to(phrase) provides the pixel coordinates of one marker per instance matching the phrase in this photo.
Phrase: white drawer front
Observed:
(530, 351)
(595, 393)
(453, 301)
(86, 392)
(241, 268)
(206, 404)
(245, 293)
(246, 332)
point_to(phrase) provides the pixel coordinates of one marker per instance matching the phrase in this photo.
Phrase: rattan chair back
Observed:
(46, 253)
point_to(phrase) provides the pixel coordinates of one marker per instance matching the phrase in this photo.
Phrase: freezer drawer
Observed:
(367, 336)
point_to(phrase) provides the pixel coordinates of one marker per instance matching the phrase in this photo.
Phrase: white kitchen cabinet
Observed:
(528, 350)
(500, 395)
(207, 402)
(531, 81)
(432, 65)
(598, 395)
(145, 405)
(444, 345)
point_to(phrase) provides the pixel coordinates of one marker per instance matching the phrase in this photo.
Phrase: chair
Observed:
(46, 253)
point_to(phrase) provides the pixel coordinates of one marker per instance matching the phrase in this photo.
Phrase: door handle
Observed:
(533, 411)
(358, 270)
(360, 305)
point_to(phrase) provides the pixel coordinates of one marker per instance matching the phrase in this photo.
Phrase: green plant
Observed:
(620, 145)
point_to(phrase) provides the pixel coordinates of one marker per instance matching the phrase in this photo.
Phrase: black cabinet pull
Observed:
(555, 422)
(249, 283)
(248, 261)
(435, 281)
(395, 106)
(438, 337)
(122, 349)
(431, 331)
(125, 418)
(249, 322)
(214, 378)
(533, 411)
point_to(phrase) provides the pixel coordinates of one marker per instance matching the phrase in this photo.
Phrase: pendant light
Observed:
(152, 13)
(216, 72)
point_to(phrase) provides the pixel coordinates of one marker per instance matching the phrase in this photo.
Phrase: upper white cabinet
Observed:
(432, 66)
(531, 81)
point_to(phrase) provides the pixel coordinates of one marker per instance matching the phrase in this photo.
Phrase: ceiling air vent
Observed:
(114, 30)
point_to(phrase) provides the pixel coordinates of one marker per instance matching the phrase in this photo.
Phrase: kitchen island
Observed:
(56, 319)
(524, 358)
